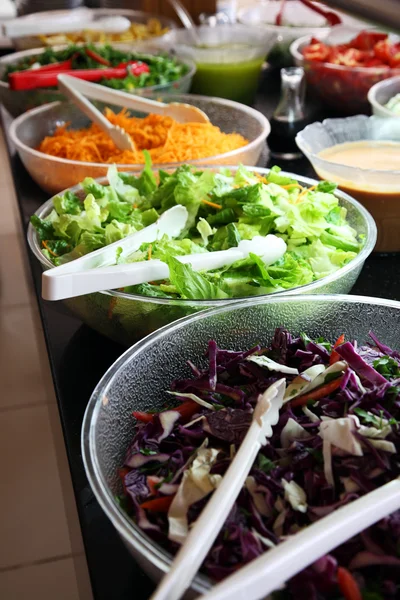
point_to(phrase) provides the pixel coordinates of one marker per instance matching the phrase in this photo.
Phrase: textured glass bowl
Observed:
(343, 88)
(381, 93)
(54, 174)
(126, 318)
(377, 190)
(18, 102)
(139, 378)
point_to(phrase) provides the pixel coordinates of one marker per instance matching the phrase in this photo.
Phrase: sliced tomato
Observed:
(366, 40)
(161, 504)
(317, 52)
(348, 585)
(382, 50)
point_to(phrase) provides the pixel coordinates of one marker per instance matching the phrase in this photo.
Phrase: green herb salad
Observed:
(224, 208)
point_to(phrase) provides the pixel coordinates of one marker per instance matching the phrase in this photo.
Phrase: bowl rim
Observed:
(127, 529)
(365, 251)
(40, 112)
(300, 141)
(377, 87)
(14, 57)
(297, 45)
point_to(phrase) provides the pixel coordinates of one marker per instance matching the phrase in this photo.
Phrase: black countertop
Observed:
(79, 357)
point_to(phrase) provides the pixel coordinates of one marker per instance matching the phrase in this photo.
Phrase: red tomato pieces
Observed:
(367, 49)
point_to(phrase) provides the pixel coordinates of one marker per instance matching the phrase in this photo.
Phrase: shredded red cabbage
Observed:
(367, 393)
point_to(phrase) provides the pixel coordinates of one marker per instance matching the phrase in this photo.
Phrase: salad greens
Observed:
(336, 440)
(224, 208)
(163, 68)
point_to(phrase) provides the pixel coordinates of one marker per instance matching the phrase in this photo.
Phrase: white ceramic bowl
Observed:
(380, 94)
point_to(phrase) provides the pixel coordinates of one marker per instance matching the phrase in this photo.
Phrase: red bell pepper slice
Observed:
(97, 57)
(334, 355)
(321, 392)
(144, 417)
(186, 410)
(348, 585)
(161, 504)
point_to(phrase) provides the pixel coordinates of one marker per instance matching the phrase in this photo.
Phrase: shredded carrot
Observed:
(261, 178)
(213, 204)
(44, 244)
(166, 140)
(304, 192)
(149, 252)
(291, 185)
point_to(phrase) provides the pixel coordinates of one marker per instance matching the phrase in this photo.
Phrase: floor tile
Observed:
(15, 288)
(49, 581)
(35, 527)
(20, 359)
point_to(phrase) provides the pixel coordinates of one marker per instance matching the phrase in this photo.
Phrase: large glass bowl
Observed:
(139, 378)
(377, 190)
(19, 101)
(343, 88)
(228, 58)
(54, 174)
(126, 318)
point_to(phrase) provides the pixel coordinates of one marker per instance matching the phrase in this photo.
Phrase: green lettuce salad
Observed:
(224, 208)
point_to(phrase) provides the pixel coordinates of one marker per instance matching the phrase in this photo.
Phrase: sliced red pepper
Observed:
(59, 66)
(321, 392)
(97, 57)
(29, 80)
(123, 472)
(152, 482)
(334, 355)
(161, 504)
(144, 417)
(348, 585)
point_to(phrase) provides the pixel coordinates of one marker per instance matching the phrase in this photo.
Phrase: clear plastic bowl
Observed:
(18, 102)
(380, 94)
(126, 318)
(54, 174)
(139, 378)
(228, 59)
(342, 88)
(377, 190)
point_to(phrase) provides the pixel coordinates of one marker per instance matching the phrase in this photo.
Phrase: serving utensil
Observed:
(204, 531)
(271, 570)
(181, 112)
(170, 223)
(64, 282)
(186, 19)
(70, 86)
(17, 28)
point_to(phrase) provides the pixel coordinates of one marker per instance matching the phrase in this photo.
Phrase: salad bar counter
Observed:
(79, 357)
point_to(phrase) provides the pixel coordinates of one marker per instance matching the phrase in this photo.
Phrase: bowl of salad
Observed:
(384, 97)
(342, 74)
(29, 78)
(173, 410)
(328, 236)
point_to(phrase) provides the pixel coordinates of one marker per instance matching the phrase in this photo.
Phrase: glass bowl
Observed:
(54, 174)
(298, 20)
(228, 59)
(381, 93)
(139, 378)
(18, 102)
(126, 318)
(377, 190)
(342, 88)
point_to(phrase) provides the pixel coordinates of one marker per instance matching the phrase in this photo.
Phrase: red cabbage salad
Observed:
(337, 439)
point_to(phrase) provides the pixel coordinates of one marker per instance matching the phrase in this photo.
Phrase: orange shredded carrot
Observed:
(150, 251)
(166, 140)
(291, 185)
(213, 204)
(44, 244)
(304, 192)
